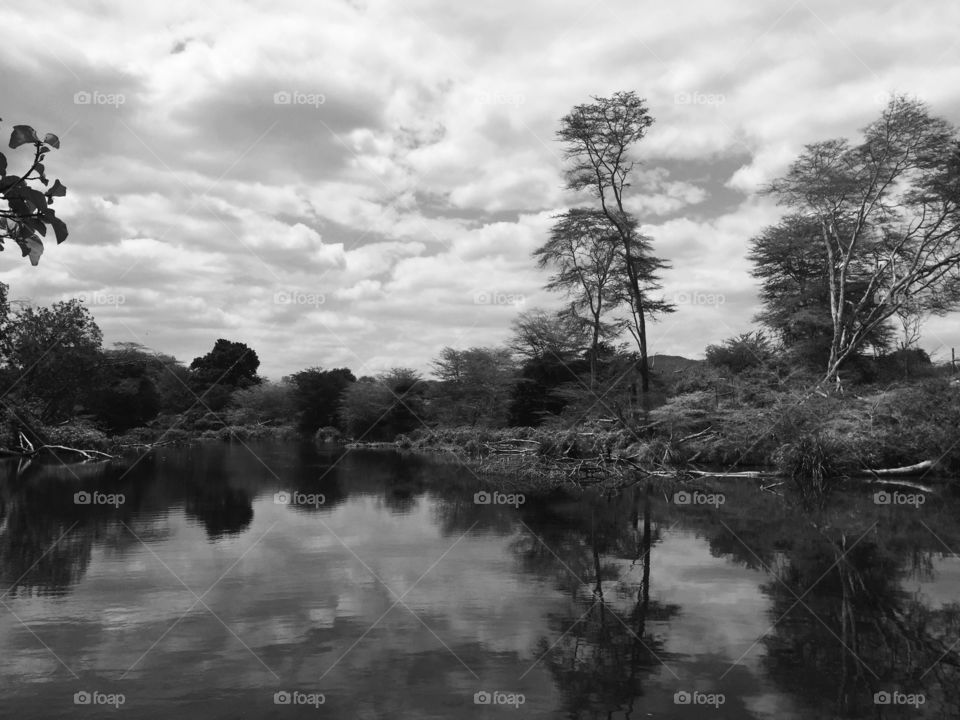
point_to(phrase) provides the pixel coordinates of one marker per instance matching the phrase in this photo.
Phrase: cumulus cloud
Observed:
(364, 183)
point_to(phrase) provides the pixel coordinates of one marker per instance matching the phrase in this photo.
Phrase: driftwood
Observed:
(907, 470)
(744, 474)
(88, 454)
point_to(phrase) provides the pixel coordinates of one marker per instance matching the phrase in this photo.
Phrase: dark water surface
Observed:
(397, 596)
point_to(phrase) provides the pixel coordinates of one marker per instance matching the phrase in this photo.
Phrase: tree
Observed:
(25, 210)
(552, 351)
(791, 262)
(383, 407)
(889, 205)
(748, 350)
(583, 248)
(538, 334)
(317, 394)
(230, 364)
(262, 404)
(54, 354)
(126, 394)
(473, 388)
(599, 137)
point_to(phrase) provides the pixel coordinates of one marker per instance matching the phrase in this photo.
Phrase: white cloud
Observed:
(429, 171)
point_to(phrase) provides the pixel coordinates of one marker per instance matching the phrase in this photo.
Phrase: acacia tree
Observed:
(25, 210)
(889, 206)
(599, 137)
(791, 261)
(584, 250)
(474, 386)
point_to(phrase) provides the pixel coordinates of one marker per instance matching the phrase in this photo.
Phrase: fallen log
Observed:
(743, 474)
(906, 470)
(88, 454)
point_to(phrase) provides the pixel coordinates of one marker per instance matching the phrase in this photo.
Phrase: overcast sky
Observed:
(390, 206)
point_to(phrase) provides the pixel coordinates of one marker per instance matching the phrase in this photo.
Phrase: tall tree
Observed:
(891, 204)
(598, 139)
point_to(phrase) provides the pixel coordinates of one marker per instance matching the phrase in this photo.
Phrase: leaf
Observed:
(59, 227)
(51, 139)
(34, 197)
(3, 164)
(35, 225)
(23, 134)
(57, 190)
(33, 247)
(8, 182)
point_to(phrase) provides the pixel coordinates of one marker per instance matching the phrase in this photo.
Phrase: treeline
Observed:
(58, 383)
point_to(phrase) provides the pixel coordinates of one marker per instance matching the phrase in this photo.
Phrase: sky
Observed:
(361, 184)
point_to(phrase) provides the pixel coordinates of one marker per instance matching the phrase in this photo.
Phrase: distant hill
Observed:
(666, 365)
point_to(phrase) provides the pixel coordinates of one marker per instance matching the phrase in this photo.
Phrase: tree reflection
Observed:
(603, 650)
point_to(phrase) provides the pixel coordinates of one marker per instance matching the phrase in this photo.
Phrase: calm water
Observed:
(397, 596)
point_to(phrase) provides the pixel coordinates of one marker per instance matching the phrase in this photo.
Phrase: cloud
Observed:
(400, 163)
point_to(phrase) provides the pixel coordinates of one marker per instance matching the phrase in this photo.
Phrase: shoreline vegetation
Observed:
(830, 385)
(891, 434)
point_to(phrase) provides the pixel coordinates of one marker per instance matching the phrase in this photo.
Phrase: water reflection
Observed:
(398, 595)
